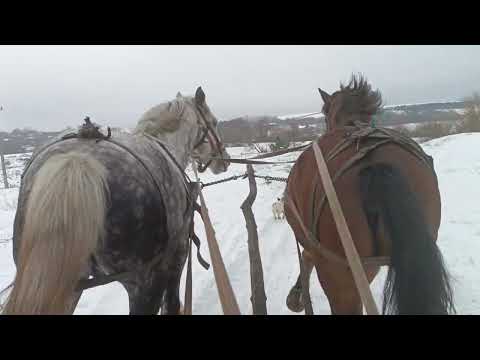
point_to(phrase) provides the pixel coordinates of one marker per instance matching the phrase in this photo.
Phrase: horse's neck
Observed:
(161, 123)
(180, 143)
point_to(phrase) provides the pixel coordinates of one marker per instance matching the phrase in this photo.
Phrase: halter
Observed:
(207, 132)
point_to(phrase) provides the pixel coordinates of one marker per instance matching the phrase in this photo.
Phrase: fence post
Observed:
(4, 171)
(258, 299)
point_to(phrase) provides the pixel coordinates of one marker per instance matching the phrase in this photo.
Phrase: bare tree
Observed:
(471, 118)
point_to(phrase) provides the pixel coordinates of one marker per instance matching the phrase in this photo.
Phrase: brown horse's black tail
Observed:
(417, 280)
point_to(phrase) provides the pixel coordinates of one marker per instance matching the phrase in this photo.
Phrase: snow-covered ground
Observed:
(457, 161)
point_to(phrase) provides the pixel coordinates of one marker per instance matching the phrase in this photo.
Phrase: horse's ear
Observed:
(179, 95)
(199, 96)
(324, 95)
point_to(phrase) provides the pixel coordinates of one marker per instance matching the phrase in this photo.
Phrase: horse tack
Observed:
(347, 166)
(353, 137)
(386, 137)
(91, 131)
(255, 160)
(314, 246)
(86, 131)
(208, 133)
(186, 179)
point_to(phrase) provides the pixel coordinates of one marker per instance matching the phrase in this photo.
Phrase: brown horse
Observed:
(391, 202)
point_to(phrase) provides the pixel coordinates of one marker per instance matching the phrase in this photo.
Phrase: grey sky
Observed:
(50, 87)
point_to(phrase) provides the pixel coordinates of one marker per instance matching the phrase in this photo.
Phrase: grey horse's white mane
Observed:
(165, 117)
(175, 123)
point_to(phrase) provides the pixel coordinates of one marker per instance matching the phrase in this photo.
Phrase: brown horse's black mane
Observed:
(355, 101)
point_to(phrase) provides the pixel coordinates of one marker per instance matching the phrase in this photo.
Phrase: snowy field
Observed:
(457, 161)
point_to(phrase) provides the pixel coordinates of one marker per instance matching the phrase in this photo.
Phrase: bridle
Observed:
(207, 133)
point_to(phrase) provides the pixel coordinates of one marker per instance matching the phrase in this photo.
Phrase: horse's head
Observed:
(353, 102)
(189, 126)
(208, 143)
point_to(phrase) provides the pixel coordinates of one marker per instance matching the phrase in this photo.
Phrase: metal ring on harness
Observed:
(201, 167)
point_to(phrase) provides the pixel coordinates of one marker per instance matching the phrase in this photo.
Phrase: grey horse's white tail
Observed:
(64, 221)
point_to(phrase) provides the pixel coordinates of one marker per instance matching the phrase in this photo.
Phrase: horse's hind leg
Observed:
(172, 305)
(76, 297)
(146, 298)
(339, 287)
(74, 302)
(295, 296)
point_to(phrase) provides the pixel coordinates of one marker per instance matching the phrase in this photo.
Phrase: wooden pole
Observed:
(258, 299)
(4, 171)
(188, 287)
(225, 290)
(187, 310)
(351, 253)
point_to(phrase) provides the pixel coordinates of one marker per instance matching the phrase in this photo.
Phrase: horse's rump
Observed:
(145, 185)
(348, 150)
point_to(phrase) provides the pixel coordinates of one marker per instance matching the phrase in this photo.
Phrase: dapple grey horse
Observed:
(99, 207)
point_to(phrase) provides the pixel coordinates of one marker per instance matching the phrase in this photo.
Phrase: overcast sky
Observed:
(50, 87)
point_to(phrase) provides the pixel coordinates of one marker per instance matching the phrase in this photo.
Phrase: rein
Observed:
(208, 132)
(254, 160)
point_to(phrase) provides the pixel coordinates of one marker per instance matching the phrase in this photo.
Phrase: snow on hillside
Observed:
(408, 126)
(422, 103)
(458, 167)
(315, 115)
(458, 111)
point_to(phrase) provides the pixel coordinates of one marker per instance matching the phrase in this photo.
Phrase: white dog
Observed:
(278, 211)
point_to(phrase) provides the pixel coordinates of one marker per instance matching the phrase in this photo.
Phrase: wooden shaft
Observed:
(225, 290)
(351, 253)
(188, 287)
